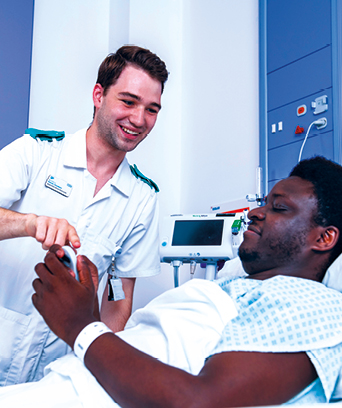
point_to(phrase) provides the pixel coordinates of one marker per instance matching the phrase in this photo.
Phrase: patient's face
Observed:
(278, 232)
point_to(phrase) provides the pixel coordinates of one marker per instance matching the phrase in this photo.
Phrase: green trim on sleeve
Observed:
(48, 135)
(137, 173)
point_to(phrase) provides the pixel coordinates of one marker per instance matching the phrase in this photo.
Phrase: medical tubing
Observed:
(192, 268)
(304, 141)
(176, 275)
(318, 122)
(176, 264)
(86, 337)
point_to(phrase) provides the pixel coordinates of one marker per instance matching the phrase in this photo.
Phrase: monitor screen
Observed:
(197, 232)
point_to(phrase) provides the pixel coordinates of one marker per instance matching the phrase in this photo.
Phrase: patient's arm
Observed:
(133, 378)
(46, 230)
(230, 379)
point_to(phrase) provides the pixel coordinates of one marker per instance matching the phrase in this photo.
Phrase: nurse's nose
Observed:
(137, 117)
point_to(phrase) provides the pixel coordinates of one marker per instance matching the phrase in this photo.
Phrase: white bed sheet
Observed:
(181, 328)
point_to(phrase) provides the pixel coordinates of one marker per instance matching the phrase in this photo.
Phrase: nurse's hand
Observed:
(49, 231)
(65, 304)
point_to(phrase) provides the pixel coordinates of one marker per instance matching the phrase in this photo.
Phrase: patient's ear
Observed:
(327, 239)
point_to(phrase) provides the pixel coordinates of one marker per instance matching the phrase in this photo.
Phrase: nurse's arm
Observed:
(116, 313)
(46, 230)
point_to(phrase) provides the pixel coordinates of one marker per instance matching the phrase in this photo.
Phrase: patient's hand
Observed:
(58, 250)
(66, 305)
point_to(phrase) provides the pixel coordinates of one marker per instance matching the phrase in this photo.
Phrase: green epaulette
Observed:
(48, 135)
(137, 173)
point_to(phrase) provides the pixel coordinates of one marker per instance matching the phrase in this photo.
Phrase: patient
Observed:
(270, 338)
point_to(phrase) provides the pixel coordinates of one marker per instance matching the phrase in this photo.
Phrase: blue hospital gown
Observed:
(288, 314)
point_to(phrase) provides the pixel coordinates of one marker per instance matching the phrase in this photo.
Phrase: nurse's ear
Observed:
(327, 238)
(98, 93)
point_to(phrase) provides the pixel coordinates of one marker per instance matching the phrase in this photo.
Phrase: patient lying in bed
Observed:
(272, 337)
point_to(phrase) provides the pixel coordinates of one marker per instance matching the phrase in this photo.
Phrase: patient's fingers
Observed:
(43, 272)
(88, 272)
(54, 264)
(39, 287)
(57, 249)
(37, 284)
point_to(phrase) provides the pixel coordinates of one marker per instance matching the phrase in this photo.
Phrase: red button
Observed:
(301, 110)
(299, 130)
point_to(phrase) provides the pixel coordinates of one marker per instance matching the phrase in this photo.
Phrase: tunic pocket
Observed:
(99, 250)
(14, 344)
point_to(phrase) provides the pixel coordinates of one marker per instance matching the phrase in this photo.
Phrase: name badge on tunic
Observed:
(58, 185)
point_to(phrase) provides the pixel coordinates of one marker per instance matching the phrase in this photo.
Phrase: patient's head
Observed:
(292, 234)
(326, 177)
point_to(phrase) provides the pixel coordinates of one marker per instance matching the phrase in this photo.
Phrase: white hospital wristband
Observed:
(87, 336)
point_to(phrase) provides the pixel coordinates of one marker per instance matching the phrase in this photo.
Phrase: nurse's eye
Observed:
(128, 103)
(153, 111)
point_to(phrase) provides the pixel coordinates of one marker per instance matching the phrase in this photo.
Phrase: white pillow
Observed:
(232, 268)
(333, 276)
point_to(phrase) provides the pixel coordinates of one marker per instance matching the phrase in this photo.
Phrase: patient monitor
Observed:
(200, 238)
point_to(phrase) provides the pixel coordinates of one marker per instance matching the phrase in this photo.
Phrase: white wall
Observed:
(204, 147)
(220, 98)
(70, 39)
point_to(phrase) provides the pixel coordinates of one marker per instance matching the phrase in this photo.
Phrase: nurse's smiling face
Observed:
(127, 112)
(278, 233)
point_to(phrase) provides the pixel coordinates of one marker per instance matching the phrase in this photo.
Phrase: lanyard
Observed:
(115, 291)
